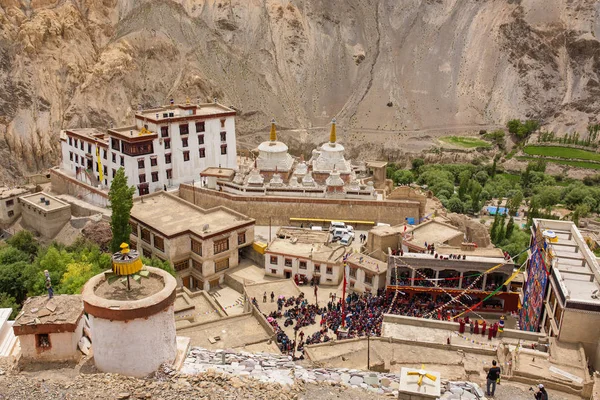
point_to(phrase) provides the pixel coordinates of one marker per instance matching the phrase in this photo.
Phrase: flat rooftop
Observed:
(226, 173)
(234, 332)
(183, 110)
(376, 164)
(302, 235)
(171, 216)
(471, 257)
(39, 310)
(431, 232)
(578, 268)
(385, 230)
(491, 252)
(6, 192)
(92, 133)
(35, 200)
(131, 132)
(305, 243)
(368, 263)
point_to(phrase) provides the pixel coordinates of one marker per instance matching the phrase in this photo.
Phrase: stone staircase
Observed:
(7, 337)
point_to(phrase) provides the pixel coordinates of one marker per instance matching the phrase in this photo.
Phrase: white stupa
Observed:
(276, 181)
(308, 180)
(334, 179)
(255, 178)
(273, 154)
(331, 155)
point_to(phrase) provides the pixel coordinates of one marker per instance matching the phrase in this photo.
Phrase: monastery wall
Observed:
(64, 184)
(281, 209)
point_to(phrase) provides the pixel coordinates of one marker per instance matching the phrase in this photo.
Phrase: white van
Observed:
(339, 233)
(336, 225)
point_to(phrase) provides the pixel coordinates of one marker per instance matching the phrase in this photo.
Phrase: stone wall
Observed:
(63, 184)
(582, 327)
(453, 326)
(280, 210)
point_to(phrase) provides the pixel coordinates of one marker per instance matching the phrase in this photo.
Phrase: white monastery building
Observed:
(165, 147)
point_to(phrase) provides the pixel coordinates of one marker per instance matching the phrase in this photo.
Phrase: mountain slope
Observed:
(382, 67)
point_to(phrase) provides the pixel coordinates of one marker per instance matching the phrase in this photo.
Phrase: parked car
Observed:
(346, 240)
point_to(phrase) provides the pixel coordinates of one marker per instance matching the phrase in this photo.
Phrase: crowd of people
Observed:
(363, 315)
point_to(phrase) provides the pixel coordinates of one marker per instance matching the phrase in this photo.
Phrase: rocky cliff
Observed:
(394, 73)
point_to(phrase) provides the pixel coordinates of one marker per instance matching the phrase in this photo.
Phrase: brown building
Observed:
(412, 238)
(201, 244)
(44, 214)
(50, 329)
(10, 208)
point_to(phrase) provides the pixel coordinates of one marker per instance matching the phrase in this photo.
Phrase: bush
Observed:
(455, 205)
(403, 177)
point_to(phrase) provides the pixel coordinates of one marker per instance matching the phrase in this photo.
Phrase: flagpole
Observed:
(344, 296)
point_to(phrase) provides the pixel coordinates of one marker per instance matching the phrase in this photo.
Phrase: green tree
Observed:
(482, 177)
(76, 275)
(493, 171)
(416, 163)
(515, 203)
(55, 260)
(518, 241)
(533, 211)
(25, 242)
(510, 227)
(157, 263)
(455, 205)
(11, 280)
(464, 179)
(513, 125)
(581, 211)
(7, 301)
(403, 177)
(501, 230)
(121, 202)
(475, 194)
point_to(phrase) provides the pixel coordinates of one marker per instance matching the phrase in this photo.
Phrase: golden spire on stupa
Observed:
(273, 137)
(332, 136)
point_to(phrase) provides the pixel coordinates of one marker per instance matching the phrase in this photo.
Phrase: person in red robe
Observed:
(476, 327)
(483, 328)
(461, 325)
(490, 332)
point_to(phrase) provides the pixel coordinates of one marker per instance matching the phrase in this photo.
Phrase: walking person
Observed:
(272, 297)
(541, 394)
(265, 297)
(492, 377)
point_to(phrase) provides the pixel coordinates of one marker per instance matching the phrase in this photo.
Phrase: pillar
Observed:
(460, 281)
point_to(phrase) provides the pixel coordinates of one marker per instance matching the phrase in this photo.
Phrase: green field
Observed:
(572, 163)
(466, 142)
(511, 177)
(562, 152)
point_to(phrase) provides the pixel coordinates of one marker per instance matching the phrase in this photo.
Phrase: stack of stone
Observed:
(273, 368)
(461, 390)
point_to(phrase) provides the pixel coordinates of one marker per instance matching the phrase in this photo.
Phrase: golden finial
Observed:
(124, 248)
(332, 134)
(187, 101)
(422, 374)
(273, 137)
